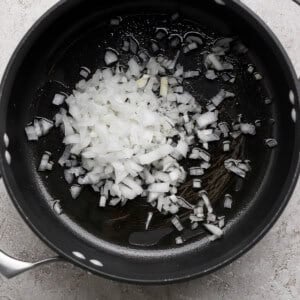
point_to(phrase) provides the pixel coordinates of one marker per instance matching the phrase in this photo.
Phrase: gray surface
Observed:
(269, 271)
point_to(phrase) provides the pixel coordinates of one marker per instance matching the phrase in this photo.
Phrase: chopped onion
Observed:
(205, 165)
(268, 101)
(102, 202)
(175, 221)
(46, 125)
(226, 146)
(179, 240)
(191, 74)
(206, 119)
(85, 72)
(126, 46)
(231, 165)
(114, 201)
(155, 155)
(211, 75)
(164, 86)
(133, 45)
(58, 99)
(228, 201)
(110, 57)
(37, 127)
(216, 231)
(31, 133)
(271, 143)
(204, 197)
(69, 176)
(211, 218)
(190, 47)
(44, 162)
(149, 218)
(250, 69)
(257, 123)
(196, 171)
(197, 183)
(247, 128)
(6, 140)
(75, 191)
(212, 61)
(258, 76)
(163, 187)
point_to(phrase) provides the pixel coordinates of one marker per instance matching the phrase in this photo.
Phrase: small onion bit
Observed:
(111, 57)
(57, 207)
(84, 72)
(58, 99)
(176, 222)
(45, 164)
(271, 143)
(148, 221)
(228, 201)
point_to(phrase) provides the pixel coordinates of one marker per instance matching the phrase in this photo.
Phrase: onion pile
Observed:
(127, 129)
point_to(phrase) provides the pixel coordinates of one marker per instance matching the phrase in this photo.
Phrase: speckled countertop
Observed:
(271, 270)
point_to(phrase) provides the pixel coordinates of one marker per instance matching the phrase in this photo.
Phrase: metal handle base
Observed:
(11, 267)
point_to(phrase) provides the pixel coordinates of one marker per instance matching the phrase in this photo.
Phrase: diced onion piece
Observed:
(226, 146)
(50, 165)
(162, 187)
(110, 57)
(175, 221)
(203, 195)
(148, 221)
(126, 45)
(197, 183)
(44, 162)
(133, 45)
(228, 201)
(179, 240)
(164, 86)
(102, 202)
(58, 99)
(46, 125)
(213, 229)
(37, 127)
(206, 119)
(247, 128)
(224, 128)
(250, 69)
(212, 61)
(271, 143)
(191, 74)
(31, 133)
(268, 101)
(155, 155)
(257, 76)
(75, 191)
(114, 201)
(69, 176)
(211, 75)
(193, 37)
(196, 171)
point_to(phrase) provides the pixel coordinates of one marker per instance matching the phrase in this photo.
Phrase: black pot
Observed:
(53, 50)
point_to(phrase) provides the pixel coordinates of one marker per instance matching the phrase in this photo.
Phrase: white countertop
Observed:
(271, 270)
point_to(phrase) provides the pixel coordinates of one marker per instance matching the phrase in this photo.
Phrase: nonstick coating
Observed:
(49, 60)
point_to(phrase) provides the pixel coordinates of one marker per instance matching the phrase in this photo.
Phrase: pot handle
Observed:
(297, 1)
(11, 267)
